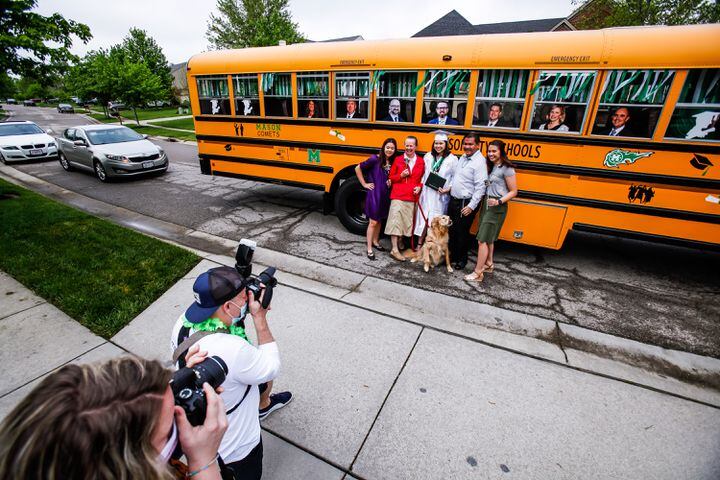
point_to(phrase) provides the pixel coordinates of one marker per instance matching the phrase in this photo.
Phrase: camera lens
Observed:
(213, 371)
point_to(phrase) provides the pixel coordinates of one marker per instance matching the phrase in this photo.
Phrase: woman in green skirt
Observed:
(501, 187)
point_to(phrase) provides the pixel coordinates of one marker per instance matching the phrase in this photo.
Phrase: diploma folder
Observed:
(435, 181)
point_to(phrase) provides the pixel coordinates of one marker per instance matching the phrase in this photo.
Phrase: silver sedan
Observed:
(110, 151)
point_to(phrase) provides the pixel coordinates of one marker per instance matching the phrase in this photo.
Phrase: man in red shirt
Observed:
(406, 176)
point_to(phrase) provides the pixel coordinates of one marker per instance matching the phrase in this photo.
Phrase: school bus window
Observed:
(313, 92)
(561, 100)
(352, 95)
(213, 95)
(445, 96)
(631, 102)
(277, 90)
(245, 90)
(697, 113)
(395, 96)
(500, 98)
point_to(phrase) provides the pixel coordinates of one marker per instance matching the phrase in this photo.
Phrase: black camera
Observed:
(243, 264)
(187, 385)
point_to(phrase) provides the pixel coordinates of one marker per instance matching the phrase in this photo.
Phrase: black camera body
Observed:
(254, 283)
(187, 385)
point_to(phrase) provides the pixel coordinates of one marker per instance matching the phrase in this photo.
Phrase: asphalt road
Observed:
(657, 294)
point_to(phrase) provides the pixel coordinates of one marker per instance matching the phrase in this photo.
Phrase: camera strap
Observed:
(186, 342)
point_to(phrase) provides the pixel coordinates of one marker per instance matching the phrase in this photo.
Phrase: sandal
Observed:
(397, 255)
(379, 248)
(489, 268)
(371, 255)
(474, 277)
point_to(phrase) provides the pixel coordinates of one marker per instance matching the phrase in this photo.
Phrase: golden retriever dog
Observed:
(435, 247)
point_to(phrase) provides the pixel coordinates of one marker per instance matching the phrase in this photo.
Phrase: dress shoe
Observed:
(459, 265)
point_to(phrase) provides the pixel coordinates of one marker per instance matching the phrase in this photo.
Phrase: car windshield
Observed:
(113, 135)
(19, 129)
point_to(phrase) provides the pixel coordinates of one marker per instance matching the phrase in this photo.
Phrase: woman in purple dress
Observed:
(373, 176)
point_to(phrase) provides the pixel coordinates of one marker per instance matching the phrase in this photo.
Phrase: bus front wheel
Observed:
(350, 206)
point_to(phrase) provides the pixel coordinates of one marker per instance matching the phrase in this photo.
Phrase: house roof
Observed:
(451, 23)
(455, 24)
(343, 39)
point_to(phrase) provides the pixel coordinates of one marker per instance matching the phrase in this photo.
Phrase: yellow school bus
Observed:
(612, 131)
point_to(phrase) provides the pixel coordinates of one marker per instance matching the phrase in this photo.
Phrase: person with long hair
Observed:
(502, 187)
(555, 120)
(432, 202)
(113, 420)
(373, 176)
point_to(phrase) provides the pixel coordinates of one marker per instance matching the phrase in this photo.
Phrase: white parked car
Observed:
(110, 151)
(23, 140)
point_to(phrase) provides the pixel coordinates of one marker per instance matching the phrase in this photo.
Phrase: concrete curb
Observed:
(680, 373)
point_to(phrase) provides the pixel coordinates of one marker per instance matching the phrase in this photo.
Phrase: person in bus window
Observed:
(619, 128)
(394, 112)
(442, 118)
(373, 176)
(351, 109)
(555, 120)
(495, 118)
(310, 109)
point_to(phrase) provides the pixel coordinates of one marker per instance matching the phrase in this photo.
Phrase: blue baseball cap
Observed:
(212, 289)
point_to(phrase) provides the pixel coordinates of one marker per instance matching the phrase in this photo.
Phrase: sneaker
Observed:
(277, 401)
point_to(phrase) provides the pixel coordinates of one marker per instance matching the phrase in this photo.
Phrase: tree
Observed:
(251, 23)
(32, 44)
(7, 86)
(137, 85)
(141, 48)
(617, 13)
(94, 77)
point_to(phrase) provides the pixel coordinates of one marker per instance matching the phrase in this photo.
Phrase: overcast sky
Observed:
(179, 25)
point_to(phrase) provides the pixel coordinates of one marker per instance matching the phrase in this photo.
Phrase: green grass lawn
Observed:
(101, 117)
(185, 123)
(98, 273)
(162, 132)
(143, 114)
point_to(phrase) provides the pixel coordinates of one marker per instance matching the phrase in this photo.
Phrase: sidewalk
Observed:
(396, 382)
(384, 398)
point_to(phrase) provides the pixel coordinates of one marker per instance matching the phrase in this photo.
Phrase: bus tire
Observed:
(350, 206)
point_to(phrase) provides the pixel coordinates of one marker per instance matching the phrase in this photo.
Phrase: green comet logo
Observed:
(617, 157)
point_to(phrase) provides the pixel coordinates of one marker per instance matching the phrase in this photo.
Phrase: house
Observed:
(453, 23)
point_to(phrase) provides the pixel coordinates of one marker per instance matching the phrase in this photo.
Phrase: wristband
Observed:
(202, 469)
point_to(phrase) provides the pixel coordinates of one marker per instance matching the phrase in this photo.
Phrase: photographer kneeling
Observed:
(215, 322)
(105, 421)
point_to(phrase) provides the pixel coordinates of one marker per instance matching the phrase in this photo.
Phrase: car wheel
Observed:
(100, 172)
(64, 162)
(350, 206)
(2, 158)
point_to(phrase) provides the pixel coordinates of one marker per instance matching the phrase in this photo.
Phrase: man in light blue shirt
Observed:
(466, 192)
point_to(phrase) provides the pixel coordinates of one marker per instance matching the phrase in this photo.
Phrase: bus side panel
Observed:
(664, 227)
(534, 223)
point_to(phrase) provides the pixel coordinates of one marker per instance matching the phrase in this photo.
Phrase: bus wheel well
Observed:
(344, 174)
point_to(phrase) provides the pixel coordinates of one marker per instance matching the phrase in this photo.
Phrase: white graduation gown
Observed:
(431, 201)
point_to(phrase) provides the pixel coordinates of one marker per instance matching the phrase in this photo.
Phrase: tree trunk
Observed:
(136, 117)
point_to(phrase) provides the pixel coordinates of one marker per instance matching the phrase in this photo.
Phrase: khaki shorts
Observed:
(400, 218)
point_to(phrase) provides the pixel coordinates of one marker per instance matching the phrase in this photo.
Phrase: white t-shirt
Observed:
(247, 365)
